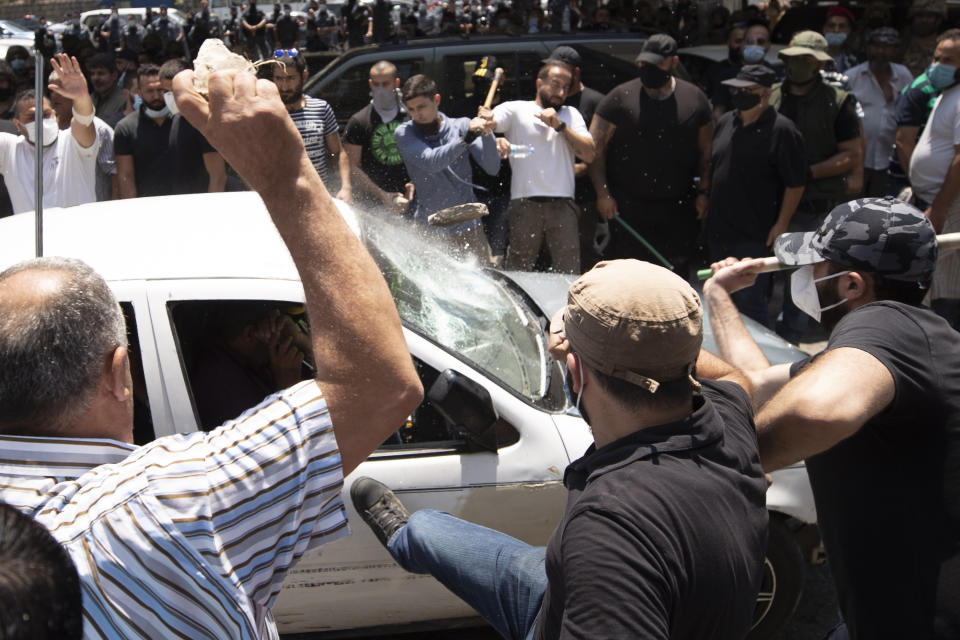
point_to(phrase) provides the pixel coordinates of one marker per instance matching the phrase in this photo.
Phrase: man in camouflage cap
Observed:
(876, 414)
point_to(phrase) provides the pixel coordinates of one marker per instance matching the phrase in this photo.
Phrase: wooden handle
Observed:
(497, 79)
(945, 242)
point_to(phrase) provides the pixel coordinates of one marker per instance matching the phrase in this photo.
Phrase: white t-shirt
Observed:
(935, 150)
(549, 171)
(68, 171)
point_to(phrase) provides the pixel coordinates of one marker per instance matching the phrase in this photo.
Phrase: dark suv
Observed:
(608, 60)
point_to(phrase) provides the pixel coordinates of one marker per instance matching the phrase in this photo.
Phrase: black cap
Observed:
(566, 55)
(753, 74)
(657, 48)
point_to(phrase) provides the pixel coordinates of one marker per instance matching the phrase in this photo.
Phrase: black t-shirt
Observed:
(586, 102)
(847, 125)
(167, 158)
(653, 154)
(253, 17)
(751, 167)
(664, 531)
(888, 497)
(379, 158)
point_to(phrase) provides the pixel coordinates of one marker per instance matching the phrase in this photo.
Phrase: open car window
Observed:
(225, 361)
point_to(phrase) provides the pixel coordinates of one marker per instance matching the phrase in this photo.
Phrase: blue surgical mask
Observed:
(941, 75)
(18, 64)
(753, 53)
(835, 39)
(137, 101)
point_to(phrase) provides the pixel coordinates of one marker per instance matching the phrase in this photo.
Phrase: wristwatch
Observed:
(560, 127)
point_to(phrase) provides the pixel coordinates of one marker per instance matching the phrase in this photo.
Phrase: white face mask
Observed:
(803, 290)
(171, 103)
(49, 128)
(384, 99)
(157, 113)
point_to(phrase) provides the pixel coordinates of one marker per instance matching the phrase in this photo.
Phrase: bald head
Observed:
(59, 326)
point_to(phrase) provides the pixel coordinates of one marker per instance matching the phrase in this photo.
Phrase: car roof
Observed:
(220, 235)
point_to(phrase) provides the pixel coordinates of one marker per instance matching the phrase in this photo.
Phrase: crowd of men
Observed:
(664, 531)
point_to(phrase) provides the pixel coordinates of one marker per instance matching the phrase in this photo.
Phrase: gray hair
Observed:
(54, 350)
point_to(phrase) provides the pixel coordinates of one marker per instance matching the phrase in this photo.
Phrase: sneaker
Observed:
(379, 507)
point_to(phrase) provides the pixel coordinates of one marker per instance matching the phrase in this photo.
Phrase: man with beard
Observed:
(827, 119)
(314, 119)
(158, 152)
(664, 527)
(877, 83)
(926, 18)
(542, 210)
(876, 414)
(654, 136)
(725, 69)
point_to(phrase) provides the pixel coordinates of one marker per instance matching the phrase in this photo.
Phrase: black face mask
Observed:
(744, 101)
(735, 55)
(653, 77)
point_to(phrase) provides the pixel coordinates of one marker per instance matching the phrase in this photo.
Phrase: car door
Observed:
(516, 489)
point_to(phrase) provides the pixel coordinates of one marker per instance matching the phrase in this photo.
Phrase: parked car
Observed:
(696, 60)
(174, 261)
(608, 60)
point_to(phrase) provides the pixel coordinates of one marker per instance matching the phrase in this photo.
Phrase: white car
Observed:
(495, 455)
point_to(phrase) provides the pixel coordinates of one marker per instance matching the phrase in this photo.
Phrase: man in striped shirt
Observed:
(191, 536)
(314, 119)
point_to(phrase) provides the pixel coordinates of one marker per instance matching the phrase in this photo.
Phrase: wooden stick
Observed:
(945, 242)
(497, 79)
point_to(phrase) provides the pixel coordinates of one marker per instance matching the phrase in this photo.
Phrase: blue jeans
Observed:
(501, 577)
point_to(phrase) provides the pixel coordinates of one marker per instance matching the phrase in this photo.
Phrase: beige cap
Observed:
(635, 321)
(807, 43)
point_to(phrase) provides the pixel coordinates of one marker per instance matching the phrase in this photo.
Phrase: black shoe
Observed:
(379, 507)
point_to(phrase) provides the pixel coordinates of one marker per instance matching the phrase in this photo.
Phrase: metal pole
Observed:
(38, 147)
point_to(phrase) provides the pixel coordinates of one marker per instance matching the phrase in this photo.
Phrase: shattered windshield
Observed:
(458, 306)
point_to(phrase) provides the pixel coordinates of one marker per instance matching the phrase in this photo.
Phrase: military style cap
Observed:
(751, 75)
(635, 321)
(566, 55)
(883, 236)
(807, 43)
(657, 48)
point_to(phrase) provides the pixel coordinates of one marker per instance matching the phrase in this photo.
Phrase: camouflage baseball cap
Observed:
(807, 43)
(635, 321)
(883, 236)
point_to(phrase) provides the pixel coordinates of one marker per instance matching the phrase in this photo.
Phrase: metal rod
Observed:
(945, 242)
(38, 147)
(644, 242)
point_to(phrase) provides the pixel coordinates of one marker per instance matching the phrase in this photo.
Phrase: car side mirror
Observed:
(467, 406)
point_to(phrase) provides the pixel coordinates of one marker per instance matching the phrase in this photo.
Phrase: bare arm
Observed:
(74, 86)
(791, 198)
(601, 131)
(359, 347)
(705, 145)
(711, 367)
(217, 170)
(733, 340)
(335, 149)
(937, 212)
(829, 401)
(582, 145)
(906, 142)
(843, 161)
(359, 178)
(126, 177)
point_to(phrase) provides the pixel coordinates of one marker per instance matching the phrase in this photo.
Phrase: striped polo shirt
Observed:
(315, 122)
(191, 535)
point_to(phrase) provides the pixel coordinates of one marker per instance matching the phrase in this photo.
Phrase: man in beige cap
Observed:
(827, 119)
(665, 527)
